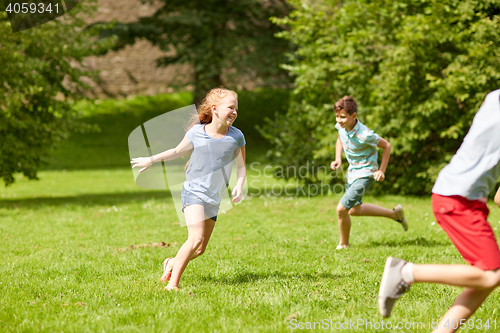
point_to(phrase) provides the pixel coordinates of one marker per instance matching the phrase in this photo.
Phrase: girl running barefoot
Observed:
(213, 144)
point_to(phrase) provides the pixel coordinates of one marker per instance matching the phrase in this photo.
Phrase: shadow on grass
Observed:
(420, 241)
(106, 199)
(249, 277)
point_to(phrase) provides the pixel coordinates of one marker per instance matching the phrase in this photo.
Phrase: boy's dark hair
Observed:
(346, 103)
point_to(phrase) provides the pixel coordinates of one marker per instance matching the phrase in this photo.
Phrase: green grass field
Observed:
(68, 264)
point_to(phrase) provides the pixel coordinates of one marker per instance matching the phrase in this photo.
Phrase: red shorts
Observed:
(466, 224)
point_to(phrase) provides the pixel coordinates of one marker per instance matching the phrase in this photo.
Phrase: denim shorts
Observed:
(354, 192)
(189, 198)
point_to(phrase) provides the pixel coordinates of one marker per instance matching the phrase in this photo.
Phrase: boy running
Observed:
(360, 147)
(459, 204)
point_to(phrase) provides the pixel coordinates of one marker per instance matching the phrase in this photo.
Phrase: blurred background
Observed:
(74, 88)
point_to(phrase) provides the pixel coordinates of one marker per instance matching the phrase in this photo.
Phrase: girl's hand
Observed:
(378, 175)
(335, 165)
(237, 193)
(141, 162)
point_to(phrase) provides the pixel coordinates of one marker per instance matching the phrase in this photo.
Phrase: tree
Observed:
(40, 80)
(226, 42)
(419, 70)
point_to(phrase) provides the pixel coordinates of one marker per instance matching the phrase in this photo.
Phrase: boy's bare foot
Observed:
(167, 270)
(171, 288)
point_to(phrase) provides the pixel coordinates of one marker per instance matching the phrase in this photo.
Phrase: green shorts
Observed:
(354, 191)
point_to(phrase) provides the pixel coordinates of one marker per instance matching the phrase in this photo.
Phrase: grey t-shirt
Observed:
(475, 168)
(211, 162)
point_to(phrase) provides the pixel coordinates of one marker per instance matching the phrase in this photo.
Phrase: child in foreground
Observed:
(360, 147)
(213, 144)
(459, 204)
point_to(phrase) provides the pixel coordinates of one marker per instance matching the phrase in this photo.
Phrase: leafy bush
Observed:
(418, 69)
(40, 77)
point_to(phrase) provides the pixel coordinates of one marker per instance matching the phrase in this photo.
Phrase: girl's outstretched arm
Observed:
(182, 149)
(241, 173)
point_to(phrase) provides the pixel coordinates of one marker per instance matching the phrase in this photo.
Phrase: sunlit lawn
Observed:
(82, 247)
(68, 264)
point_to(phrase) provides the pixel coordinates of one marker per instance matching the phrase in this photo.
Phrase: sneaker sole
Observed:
(381, 299)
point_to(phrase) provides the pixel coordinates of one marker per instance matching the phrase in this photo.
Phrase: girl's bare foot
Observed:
(169, 287)
(168, 265)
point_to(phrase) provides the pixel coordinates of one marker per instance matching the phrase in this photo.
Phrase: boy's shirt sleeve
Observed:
(372, 139)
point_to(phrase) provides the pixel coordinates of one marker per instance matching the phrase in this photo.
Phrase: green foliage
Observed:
(419, 70)
(226, 42)
(40, 76)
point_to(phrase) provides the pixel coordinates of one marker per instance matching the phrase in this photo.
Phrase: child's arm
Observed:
(379, 175)
(241, 173)
(338, 155)
(182, 148)
(497, 197)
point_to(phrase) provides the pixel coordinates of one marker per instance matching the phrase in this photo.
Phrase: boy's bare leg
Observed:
(457, 275)
(478, 283)
(367, 209)
(464, 306)
(344, 224)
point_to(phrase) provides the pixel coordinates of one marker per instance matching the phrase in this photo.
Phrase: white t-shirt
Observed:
(473, 172)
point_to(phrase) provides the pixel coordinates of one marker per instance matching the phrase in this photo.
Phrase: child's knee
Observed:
(200, 250)
(491, 279)
(341, 210)
(196, 242)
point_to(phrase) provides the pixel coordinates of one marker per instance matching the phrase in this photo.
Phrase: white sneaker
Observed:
(400, 214)
(392, 286)
(342, 247)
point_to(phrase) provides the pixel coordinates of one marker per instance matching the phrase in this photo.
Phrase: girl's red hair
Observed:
(204, 110)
